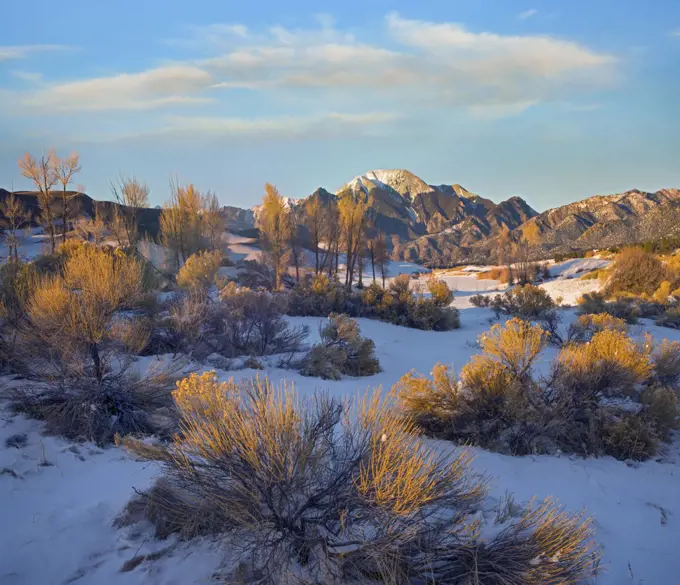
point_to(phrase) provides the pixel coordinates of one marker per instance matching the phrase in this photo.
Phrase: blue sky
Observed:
(546, 99)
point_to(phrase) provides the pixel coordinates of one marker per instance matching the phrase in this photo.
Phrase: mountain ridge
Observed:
(447, 224)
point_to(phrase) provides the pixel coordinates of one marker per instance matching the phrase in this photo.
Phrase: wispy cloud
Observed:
(28, 76)
(527, 14)
(8, 53)
(171, 85)
(676, 32)
(325, 125)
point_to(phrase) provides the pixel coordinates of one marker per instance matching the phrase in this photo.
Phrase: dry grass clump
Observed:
(342, 351)
(501, 273)
(200, 269)
(604, 394)
(317, 491)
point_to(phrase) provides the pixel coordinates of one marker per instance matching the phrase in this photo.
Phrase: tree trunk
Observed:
(94, 352)
(372, 262)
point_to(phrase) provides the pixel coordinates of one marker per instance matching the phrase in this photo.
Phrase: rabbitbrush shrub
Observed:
(322, 492)
(342, 351)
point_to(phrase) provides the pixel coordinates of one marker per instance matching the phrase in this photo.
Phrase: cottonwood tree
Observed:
(315, 221)
(213, 221)
(297, 249)
(181, 223)
(44, 176)
(65, 168)
(353, 218)
(15, 215)
(332, 237)
(132, 196)
(275, 226)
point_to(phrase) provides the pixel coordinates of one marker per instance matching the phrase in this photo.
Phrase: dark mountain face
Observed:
(82, 205)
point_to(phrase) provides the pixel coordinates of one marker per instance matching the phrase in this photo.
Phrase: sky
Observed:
(549, 100)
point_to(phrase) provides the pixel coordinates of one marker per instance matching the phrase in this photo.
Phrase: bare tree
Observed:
(44, 176)
(382, 258)
(91, 230)
(15, 214)
(524, 265)
(131, 196)
(65, 168)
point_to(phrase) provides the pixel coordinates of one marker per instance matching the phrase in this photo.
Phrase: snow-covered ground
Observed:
(58, 501)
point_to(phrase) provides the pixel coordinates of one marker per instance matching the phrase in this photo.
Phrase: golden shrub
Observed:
(200, 269)
(662, 410)
(666, 358)
(600, 322)
(515, 345)
(421, 396)
(611, 354)
(663, 292)
(440, 291)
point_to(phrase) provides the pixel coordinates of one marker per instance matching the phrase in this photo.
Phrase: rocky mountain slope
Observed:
(445, 224)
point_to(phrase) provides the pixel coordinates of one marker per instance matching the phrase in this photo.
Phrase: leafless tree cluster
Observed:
(45, 173)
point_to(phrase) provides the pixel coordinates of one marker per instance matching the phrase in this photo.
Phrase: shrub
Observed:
(342, 351)
(526, 302)
(666, 363)
(17, 281)
(200, 269)
(72, 314)
(661, 410)
(611, 363)
(663, 292)
(86, 409)
(514, 346)
(481, 301)
(582, 407)
(314, 494)
(670, 318)
(400, 306)
(596, 303)
(321, 296)
(397, 304)
(440, 291)
(587, 325)
(630, 437)
(636, 271)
